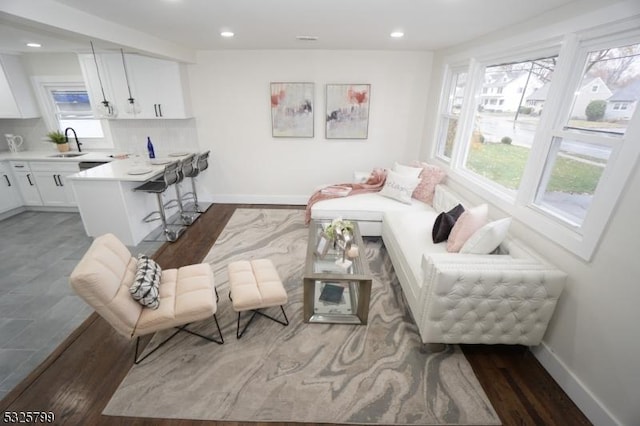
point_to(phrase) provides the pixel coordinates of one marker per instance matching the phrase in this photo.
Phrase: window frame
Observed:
(43, 86)
(581, 240)
(448, 89)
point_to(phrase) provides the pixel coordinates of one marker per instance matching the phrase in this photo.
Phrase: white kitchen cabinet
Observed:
(26, 183)
(159, 86)
(51, 181)
(16, 96)
(9, 192)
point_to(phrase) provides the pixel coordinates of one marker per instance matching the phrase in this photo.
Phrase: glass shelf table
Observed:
(334, 293)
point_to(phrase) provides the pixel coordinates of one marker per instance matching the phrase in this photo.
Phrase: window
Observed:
(501, 139)
(72, 109)
(64, 103)
(452, 104)
(558, 155)
(582, 145)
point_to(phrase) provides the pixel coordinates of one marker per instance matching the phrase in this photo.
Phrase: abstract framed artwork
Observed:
(347, 111)
(292, 110)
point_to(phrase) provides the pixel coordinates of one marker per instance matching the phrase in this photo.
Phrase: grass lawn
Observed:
(504, 164)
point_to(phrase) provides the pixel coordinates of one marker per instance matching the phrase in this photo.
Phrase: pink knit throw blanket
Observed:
(374, 183)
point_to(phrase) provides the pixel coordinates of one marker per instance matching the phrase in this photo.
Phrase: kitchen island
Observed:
(108, 203)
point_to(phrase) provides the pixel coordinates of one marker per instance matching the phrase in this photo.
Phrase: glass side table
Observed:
(333, 293)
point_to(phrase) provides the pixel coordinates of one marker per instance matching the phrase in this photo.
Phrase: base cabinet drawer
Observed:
(43, 183)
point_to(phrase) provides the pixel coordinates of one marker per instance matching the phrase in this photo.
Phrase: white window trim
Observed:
(581, 241)
(445, 90)
(40, 84)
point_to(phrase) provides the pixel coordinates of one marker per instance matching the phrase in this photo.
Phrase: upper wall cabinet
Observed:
(159, 87)
(16, 96)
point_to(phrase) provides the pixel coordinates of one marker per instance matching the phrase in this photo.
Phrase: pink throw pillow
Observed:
(429, 178)
(466, 225)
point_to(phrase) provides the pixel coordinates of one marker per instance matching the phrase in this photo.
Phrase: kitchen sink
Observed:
(69, 155)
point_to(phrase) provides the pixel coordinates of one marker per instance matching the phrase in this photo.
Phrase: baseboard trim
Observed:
(12, 212)
(260, 199)
(573, 387)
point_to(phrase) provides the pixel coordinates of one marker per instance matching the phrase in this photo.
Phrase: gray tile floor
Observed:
(38, 310)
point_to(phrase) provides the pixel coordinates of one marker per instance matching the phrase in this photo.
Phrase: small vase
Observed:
(63, 147)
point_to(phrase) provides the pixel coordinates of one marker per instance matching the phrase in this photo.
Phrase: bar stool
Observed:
(185, 169)
(201, 163)
(169, 177)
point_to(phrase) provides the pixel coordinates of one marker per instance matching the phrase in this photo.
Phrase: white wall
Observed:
(230, 91)
(592, 346)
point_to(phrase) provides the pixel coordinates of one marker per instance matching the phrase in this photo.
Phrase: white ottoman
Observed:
(255, 285)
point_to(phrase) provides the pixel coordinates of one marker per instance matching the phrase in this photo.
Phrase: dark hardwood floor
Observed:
(78, 379)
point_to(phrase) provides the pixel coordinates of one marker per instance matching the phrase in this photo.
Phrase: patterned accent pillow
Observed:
(429, 178)
(145, 288)
(399, 187)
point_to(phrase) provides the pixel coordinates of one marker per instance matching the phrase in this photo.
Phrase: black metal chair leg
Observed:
(240, 333)
(137, 360)
(211, 339)
(257, 312)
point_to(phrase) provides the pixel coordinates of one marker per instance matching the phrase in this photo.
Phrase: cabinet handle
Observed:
(155, 109)
(160, 110)
(8, 181)
(60, 180)
(29, 179)
(19, 166)
(55, 180)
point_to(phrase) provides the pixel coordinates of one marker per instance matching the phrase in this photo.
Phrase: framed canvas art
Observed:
(347, 111)
(292, 110)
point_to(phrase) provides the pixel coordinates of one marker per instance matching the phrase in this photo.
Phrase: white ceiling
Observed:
(274, 24)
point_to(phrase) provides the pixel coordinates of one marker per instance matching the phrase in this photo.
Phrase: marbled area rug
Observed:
(314, 373)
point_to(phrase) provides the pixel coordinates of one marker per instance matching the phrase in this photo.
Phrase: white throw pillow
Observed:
(407, 170)
(399, 187)
(486, 239)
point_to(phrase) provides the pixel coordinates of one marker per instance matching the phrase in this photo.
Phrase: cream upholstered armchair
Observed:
(106, 272)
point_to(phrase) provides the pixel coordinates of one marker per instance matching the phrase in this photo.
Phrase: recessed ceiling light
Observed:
(397, 34)
(227, 34)
(34, 45)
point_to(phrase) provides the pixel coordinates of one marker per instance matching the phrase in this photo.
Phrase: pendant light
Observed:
(106, 109)
(133, 107)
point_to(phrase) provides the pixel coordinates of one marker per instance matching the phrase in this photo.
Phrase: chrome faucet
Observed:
(66, 137)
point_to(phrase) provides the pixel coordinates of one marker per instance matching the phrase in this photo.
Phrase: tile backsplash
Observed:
(32, 130)
(167, 136)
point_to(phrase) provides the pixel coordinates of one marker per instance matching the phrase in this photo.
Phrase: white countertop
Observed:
(130, 169)
(48, 156)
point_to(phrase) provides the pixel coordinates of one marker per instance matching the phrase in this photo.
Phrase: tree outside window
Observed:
(507, 119)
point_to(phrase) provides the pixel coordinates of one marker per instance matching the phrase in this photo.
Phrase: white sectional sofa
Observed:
(503, 298)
